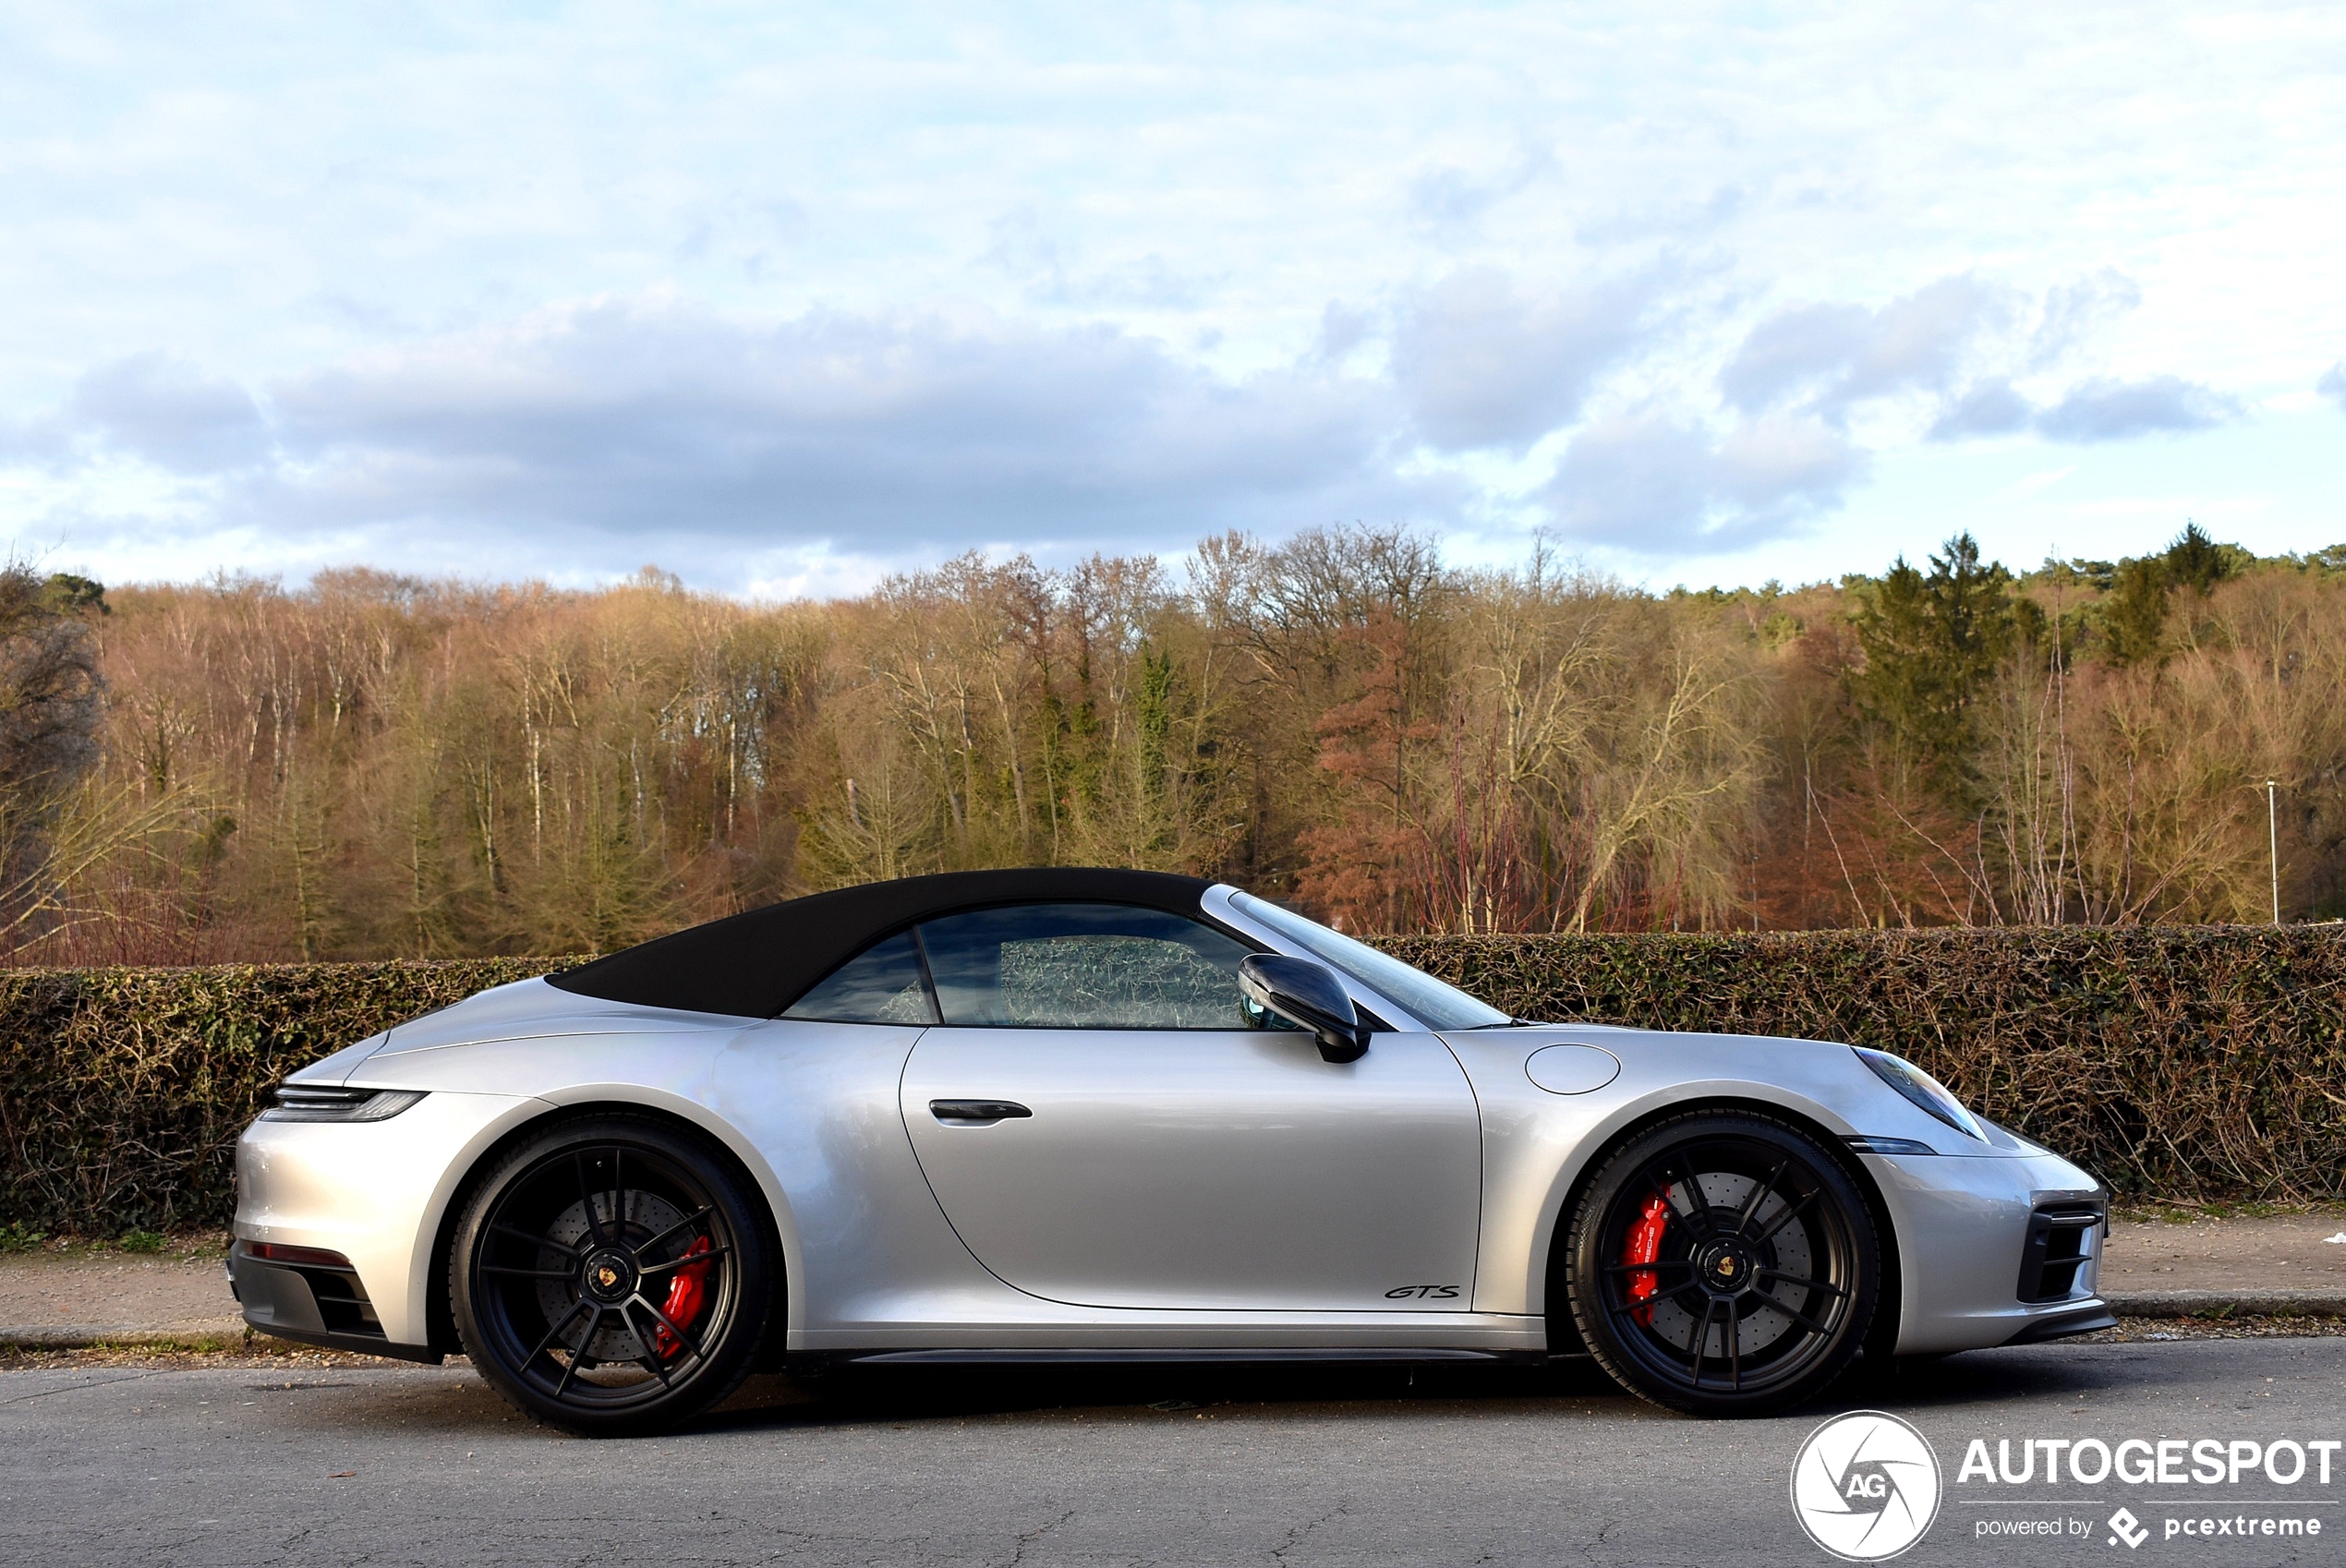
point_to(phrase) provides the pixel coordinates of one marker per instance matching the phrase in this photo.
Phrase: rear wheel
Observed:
(612, 1276)
(1723, 1264)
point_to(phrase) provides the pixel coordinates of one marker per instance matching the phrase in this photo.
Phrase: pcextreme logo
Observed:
(1865, 1486)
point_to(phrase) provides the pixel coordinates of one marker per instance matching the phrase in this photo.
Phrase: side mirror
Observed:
(1304, 993)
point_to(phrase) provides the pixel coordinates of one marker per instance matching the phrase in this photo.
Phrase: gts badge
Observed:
(1423, 1293)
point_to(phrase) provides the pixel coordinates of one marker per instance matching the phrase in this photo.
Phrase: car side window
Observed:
(1083, 966)
(882, 984)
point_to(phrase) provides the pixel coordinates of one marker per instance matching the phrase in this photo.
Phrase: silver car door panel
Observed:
(818, 1100)
(1206, 1170)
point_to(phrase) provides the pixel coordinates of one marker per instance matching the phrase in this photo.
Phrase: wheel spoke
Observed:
(1699, 1206)
(618, 1199)
(686, 1224)
(679, 1262)
(1629, 1307)
(649, 1357)
(587, 1195)
(669, 1324)
(537, 1241)
(579, 1355)
(1661, 1292)
(528, 1273)
(1734, 1330)
(1759, 1195)
(1801, 1281)
(1803, 1319)
(1700, 1343)
(556, 1331)
(1784, 1219)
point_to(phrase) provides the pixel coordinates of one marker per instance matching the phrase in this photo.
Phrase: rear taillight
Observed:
(314, 1103)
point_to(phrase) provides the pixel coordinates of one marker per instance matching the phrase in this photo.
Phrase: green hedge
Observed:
(2185, 1062)
(122, 1091)
(2182, 1062)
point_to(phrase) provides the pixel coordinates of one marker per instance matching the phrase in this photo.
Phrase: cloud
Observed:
(618, 421)
(2102, 410)
(2074, 311)
(1826, 357)
(1990, 408)
(1823, 360)
(169, 412)
(2099, 410)
(2333, 383)
(589, 436)
(1045, 265)
(1448, 201)
(1480, 363)
(1652, 487)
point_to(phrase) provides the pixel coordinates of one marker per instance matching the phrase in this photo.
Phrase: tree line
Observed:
(378, 766)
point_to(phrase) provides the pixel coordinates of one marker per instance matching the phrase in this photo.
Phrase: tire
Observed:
(574, 1284)
(1750, 1301)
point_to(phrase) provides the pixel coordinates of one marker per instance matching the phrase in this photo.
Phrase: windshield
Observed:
(1434, 1004)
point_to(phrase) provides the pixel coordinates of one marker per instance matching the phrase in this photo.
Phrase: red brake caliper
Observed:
(687, 1294)
(1644, 1245)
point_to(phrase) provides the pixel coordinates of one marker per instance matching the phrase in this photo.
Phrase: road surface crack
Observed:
(1029, 1538)
(1296, 1533)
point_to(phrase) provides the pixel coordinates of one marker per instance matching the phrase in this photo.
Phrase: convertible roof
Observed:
(756, 964)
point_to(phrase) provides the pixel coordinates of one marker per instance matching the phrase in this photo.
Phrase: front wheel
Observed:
(612, 1276)
(1723, 1264)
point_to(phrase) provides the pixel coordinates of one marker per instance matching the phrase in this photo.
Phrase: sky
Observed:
(785, 298)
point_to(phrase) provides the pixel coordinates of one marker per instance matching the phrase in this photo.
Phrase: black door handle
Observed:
(976, 1110)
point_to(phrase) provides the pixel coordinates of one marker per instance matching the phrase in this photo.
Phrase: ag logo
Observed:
(1865, 1486)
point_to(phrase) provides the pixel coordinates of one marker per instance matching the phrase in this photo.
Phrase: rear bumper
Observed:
(313, 1305)
(374, 1193)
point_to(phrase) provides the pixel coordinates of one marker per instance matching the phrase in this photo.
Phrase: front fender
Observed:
(1537, 1144)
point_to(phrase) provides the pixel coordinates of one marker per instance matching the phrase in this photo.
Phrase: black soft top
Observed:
(756, 964)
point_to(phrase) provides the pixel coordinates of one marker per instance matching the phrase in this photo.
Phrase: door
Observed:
(1100, 1128)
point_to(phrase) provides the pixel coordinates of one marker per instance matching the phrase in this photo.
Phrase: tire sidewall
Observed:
(1585, 1263)
(757, 1274)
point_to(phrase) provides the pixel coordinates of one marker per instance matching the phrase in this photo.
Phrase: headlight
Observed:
(307, 1103)
(1922, 1089)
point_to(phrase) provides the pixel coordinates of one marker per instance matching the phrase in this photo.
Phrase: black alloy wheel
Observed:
(613, 1276)
(1722, 1263)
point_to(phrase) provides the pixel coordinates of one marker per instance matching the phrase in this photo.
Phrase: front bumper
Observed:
(1973, 1237)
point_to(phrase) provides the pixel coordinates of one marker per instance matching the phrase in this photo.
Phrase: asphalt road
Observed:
(242, 1465)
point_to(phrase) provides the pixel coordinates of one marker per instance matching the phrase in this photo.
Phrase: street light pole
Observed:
(2272, 840)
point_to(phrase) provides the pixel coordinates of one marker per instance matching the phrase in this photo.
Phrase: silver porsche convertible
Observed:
(1069, 1114)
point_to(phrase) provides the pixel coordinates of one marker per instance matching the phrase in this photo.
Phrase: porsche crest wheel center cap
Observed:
(1726, 1267)
(609, 1276)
